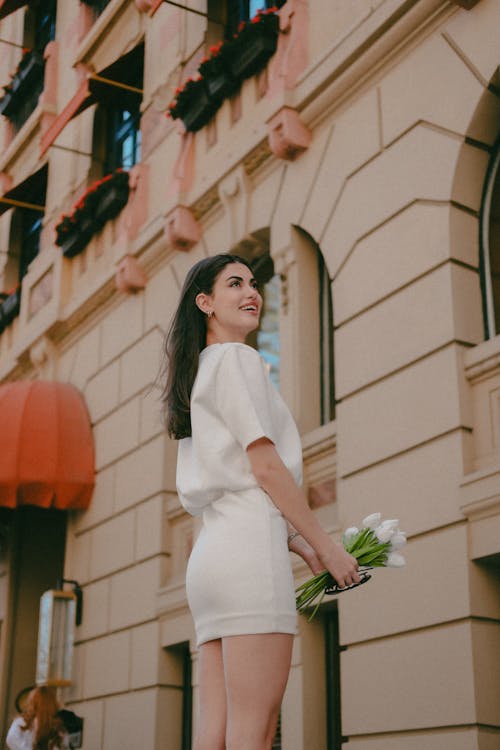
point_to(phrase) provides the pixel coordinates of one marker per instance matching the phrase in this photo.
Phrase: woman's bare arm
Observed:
(276, 480)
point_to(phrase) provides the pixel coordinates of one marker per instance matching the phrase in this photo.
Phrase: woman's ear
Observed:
(202, 302)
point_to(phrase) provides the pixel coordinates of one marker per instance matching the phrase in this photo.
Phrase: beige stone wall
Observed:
(401, 103)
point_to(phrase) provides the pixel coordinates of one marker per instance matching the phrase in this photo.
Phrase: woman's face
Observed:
(235, 302)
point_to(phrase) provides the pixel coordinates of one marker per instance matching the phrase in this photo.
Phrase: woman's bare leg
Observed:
(211, 725)
(256, 669)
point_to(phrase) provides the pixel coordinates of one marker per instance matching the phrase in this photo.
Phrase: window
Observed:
(25, 226)
(332, 675)
(31, 227)
(123, 139)
(28, 82)
(243, 10)
(43, 23)
(117, 135)
(490, 246)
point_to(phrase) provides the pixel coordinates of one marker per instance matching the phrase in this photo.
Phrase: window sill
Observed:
(96, 35)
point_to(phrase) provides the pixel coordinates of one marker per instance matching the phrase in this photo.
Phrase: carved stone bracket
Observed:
(283, 262)
(288, 136)
(467, 4)
(130, 277)
(181, 229)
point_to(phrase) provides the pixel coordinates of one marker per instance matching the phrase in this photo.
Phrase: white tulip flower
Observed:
(398, 540)
(351, 532)
(384, 533)
(372, 521)
(391, 523)
(395, 560)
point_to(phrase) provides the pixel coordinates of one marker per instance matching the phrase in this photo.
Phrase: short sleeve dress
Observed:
(239, 578)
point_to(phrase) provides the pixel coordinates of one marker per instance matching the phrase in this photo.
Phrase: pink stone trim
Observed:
(85, 21)
(292, 54)
(181, 229)
(135, 212)
(288, 136)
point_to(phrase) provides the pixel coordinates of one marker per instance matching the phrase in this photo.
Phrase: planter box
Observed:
(5, 103)
(249, 56)
(221, 85)
(9, 309)
(111, 203)
(78, 239)
(199, 111)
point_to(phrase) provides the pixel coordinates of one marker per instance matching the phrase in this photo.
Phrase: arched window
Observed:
(267, 338)
(490, 246)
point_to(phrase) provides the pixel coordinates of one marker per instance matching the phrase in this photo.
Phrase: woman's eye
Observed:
(235, 283)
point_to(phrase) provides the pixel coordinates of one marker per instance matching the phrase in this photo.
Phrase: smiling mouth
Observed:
(250, 308)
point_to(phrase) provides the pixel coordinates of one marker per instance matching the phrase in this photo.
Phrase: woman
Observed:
(239, 466)
(39, 727)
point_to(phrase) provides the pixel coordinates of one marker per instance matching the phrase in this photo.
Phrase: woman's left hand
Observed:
(302, 548)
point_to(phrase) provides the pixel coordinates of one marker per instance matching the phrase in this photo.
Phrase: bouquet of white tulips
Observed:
(375, 545)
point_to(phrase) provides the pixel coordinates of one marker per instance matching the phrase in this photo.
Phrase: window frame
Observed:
(488, 299)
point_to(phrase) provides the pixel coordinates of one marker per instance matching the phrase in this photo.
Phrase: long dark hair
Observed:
(185, 340)
(42, 706)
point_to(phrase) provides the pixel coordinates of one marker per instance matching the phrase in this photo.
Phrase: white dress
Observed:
(239, 578)
(22, 739)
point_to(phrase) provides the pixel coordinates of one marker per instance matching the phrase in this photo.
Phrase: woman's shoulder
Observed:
(230, 355)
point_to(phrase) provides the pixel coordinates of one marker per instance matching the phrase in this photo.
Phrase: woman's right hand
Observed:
(342, 566)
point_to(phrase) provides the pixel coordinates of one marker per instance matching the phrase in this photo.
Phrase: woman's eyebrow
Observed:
(238, 278)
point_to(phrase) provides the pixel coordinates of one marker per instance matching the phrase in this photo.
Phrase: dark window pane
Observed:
(332, 670)
(45, 23)
(124, 139)
(327, 383)
(30, 239)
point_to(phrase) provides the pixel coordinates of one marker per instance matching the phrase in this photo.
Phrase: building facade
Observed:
(355, 161)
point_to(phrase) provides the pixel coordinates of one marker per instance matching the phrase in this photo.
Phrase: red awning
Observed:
(115, 85)
(9, 6)
(46, 446)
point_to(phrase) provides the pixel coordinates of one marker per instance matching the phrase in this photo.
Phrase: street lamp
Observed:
(59, 612)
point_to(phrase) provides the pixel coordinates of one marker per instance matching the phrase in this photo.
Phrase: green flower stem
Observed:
(367, 550)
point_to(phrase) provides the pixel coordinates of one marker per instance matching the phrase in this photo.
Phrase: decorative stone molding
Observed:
(41, 292)
(288, 136)
(181, 229)
(130, 277)
(235, 192)
(43, 355)
(283, 262)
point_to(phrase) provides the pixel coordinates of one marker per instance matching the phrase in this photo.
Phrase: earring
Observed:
(210, 314)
